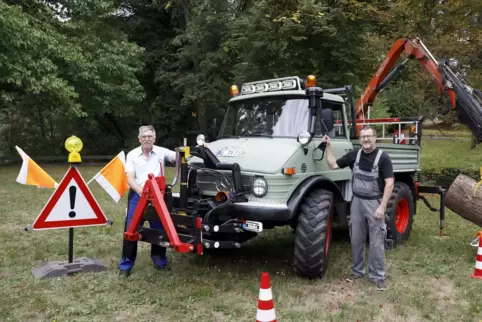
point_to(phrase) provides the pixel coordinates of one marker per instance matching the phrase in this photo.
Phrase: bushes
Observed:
(445, 176)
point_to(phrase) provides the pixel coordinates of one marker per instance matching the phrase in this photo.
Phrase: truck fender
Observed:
(315, 182)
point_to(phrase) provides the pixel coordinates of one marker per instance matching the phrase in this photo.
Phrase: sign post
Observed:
(71, 205)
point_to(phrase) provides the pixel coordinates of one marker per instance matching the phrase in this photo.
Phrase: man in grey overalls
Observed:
(372, 187)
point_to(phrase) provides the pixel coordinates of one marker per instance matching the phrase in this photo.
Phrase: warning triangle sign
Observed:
(71, 205)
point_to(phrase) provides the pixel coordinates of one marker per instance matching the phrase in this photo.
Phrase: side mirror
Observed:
(327, 120)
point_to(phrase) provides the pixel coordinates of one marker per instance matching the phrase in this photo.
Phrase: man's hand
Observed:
(326, 139)
(330, 158)
(380, 212)
(131, 181)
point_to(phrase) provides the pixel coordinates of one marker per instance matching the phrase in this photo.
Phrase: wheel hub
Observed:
(402, 215)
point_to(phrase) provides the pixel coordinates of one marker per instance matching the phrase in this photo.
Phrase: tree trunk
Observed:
(460, 199)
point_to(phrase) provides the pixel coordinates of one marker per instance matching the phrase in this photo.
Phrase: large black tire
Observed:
(313, 234)
(400, 211)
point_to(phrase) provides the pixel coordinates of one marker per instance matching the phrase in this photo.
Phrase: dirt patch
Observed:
(331, 296)
(389, 313)
(337, 294)
(447, 294)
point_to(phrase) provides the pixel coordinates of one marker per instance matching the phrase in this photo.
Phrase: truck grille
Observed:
(210, 184)
(279, 186)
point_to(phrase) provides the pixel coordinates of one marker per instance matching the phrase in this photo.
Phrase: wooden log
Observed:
(461, 200)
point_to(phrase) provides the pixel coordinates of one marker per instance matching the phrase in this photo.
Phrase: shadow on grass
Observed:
(272, 251)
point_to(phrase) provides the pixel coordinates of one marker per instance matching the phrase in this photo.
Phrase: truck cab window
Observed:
(339, 123)
(267, 116)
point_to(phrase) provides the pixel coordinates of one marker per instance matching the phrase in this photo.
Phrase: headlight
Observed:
(304, 137)
(259, 187)
(200, 139)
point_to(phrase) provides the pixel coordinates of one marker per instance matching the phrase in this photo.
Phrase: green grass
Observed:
(447, 133)
(443, 129)
(450, 154)
(428, 277)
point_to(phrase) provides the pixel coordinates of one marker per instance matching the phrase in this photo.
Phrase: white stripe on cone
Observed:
(265, 315)
(478, 265)
(479, 251)
(265, 294)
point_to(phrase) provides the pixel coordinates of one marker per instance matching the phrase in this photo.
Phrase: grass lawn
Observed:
(443, 129)
(428, 277)
(450, 154)
(448, 133)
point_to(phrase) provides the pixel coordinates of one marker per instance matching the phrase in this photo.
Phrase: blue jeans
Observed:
(129, 248)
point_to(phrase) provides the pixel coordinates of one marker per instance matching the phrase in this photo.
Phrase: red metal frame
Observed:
(413, 48)
(154, 190)
(376, 120)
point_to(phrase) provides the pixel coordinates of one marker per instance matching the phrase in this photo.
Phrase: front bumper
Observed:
(253, 211)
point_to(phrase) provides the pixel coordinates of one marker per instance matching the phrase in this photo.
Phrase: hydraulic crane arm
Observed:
(462, 98)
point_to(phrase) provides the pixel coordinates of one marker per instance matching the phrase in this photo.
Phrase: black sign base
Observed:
(63, 268)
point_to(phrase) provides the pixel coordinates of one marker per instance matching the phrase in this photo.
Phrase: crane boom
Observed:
(466, 101)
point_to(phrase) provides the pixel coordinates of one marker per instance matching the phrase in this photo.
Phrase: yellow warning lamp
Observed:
(74, 145)
(310, 81)
(233, 90)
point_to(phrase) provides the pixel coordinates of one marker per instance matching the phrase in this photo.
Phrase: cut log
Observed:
(461, 200)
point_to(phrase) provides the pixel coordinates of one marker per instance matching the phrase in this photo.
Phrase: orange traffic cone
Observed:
(478, 262)
(265, 312)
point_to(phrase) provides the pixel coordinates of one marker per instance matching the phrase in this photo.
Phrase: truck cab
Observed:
(274, 135)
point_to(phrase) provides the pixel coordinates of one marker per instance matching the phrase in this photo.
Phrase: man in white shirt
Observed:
(145, 159)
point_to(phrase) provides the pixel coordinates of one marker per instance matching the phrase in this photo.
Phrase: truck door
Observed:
(340, 143)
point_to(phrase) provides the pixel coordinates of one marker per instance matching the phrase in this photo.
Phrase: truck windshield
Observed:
(266, 116)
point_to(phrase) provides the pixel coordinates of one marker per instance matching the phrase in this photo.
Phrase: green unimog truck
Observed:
(273, 129)
(266, 167)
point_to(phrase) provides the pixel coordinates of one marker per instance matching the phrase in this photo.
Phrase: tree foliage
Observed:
(99, 69)
(63, 72)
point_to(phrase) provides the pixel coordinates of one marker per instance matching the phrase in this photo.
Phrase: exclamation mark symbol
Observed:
(72, 191)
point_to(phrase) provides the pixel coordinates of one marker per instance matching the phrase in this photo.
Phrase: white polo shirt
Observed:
(141, 165)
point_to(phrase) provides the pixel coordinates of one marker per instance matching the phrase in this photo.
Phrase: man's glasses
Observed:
(367, 137)
(147, 136)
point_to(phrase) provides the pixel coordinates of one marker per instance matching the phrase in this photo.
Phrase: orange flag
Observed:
(32, 174)
(113, 177)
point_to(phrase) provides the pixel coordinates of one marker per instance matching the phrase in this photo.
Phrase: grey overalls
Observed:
(366, 199)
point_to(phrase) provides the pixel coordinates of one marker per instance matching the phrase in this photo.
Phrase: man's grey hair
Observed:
(368, 127)
(146, 128)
